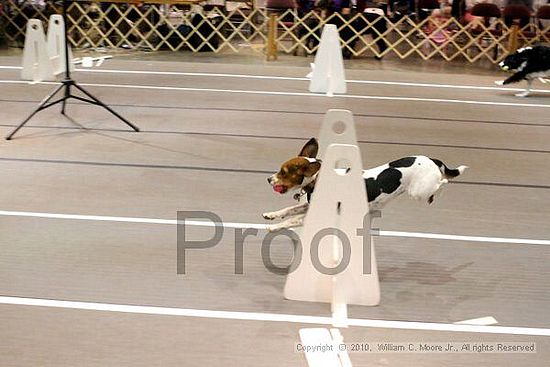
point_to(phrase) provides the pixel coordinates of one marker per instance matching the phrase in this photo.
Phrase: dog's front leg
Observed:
(517, 77)
(291, 222)
(286, 212)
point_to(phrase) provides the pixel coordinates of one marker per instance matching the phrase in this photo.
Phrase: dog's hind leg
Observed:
(287, 212)
(527, 91)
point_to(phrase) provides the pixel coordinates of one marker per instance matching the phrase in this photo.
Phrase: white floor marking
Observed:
(489, 320)
(275, 77)
(271, 317)
(339, 339)
(295, 94)
(318, 357)
(464, 238)
(198, 223)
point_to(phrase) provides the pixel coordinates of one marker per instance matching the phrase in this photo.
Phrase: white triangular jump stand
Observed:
(339, 202)
(328, 74)
(36, 62)
(56, 44)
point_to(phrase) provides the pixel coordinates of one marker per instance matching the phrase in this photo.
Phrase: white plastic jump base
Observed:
(339, 202)
(56, 45)
(328, 74)
(36, 62)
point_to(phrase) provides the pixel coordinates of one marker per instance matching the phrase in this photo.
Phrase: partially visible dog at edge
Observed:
(418, 176)
(527, 63)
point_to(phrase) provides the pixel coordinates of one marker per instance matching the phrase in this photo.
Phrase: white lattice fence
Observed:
(530, 35)
(146, 26)
(427, 39)
(152, 27)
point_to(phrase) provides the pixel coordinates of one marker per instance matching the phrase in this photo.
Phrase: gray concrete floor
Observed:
(212, 150)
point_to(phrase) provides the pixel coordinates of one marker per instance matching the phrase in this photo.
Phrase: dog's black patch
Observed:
(386, 182)
(373, 189)
(402, 162)
(438, 162)
(389, 180)
(444, 169)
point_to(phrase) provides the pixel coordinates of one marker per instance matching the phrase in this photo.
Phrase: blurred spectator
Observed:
(458, 9)
(538, 3)
(528, 3)
(2, 29)
(304, 6)
(400, 8)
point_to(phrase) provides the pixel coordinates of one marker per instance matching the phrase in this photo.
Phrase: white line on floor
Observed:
(487, 320)
(198, 223)
(275, 77)
(296, 94)
(272, 317)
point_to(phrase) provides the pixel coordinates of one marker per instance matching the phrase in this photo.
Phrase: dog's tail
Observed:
(449, 172)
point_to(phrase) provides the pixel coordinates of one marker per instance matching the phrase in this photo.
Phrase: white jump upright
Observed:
(328, 74)
(56, 44)
(36, 62)
(338, 127)
(338, 204)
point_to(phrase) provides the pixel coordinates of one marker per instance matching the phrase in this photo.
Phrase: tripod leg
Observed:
(99, 103)
(38, 109)
(63, 104)
(65, 98)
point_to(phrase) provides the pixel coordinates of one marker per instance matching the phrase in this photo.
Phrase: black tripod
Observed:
(66, 84)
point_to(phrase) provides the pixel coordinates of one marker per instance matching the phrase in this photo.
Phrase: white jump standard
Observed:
(337, 262)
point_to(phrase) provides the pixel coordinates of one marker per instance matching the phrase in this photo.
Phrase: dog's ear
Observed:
(310, 149)
(312, 168)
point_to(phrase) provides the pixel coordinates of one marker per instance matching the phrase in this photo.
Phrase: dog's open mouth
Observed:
(281, 189)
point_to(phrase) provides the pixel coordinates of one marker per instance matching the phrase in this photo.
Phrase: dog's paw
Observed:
(522, 94)
(273, 228)
(499, 82)
(269, 216)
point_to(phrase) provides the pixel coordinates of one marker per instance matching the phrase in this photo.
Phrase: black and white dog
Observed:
(419, 176)
(528, 63)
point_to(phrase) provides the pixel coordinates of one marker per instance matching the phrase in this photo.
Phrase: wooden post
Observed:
(271, 47)
(513, 40)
